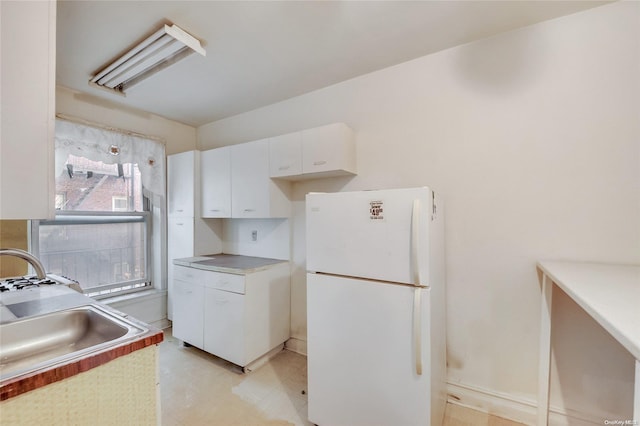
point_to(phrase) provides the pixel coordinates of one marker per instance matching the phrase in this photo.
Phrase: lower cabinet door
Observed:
(188, 312)
(224, 325)
(179, 244)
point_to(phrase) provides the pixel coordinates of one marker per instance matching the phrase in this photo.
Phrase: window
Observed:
(100, 236)
(119, 203)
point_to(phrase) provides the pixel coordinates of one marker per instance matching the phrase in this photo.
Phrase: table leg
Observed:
(544, 366)
(636, 395)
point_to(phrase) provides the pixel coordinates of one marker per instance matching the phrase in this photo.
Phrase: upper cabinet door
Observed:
(249, 177)
(285, 155)
(329, 150)
(215, 174)
(181, 183)
(28, 61)
(253, 193)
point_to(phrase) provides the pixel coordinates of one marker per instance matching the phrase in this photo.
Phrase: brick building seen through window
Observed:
(107, 255)
(94, 186)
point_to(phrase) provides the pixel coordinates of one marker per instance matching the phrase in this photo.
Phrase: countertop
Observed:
(43, 300)
(229, 263)
(38, 301)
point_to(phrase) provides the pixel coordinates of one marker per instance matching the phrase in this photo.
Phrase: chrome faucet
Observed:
(33, 261)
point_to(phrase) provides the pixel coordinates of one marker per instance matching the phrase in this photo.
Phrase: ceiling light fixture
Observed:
(166, 46)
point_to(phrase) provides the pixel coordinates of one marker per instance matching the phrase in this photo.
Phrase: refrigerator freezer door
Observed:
(361, 357)
(370, 234)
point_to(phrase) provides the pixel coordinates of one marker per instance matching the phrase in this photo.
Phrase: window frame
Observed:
(97, 218)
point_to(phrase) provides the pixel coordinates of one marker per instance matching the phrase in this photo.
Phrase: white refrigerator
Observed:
(376, 308)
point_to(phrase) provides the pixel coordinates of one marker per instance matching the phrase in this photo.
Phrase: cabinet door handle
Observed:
(180, 210)
(179, 224)
(249, 210)
(214, 210)
(283, 167)
(319, 163)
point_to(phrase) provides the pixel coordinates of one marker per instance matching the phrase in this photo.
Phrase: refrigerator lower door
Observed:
(361, 353)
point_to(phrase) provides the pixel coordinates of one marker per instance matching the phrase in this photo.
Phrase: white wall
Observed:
(532, 139)
(178, 137)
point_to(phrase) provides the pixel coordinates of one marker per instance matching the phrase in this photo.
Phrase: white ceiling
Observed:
(262, 52)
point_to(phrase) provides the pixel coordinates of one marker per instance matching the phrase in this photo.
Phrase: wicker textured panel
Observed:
(28, 383)
(120, 392)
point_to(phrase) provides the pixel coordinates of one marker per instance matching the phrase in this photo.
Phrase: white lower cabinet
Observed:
(224, 319)
(180, 244)
(188, 312)
(238, 317)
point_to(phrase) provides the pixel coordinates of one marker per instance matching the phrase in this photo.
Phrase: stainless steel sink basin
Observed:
(34, 343)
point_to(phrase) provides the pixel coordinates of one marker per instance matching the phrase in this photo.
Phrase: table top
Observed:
(609, 293)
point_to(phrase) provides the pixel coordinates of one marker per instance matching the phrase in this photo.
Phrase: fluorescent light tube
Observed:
(163, 48)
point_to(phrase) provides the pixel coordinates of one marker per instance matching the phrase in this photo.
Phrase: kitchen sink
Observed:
(33, 343)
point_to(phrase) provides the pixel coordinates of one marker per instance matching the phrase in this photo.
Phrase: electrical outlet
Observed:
(254, 235)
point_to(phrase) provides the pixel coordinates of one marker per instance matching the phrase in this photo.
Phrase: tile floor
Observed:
(197, 388)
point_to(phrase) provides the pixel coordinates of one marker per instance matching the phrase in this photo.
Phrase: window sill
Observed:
(149, 306)
(137, 296)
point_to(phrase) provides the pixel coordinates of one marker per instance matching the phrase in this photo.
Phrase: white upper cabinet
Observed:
(329, 151)
(236, 181)
(324, 151)
(285, 155)
(28, 66)
(215, 172)
(182, 185)
(253, 193)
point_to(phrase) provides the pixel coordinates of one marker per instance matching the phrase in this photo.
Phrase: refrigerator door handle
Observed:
(417, 282)
(417, 328)
(415, 243)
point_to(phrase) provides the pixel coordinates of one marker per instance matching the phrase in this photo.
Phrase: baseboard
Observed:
(296, 345)
(161, 324)
(518, 409)
(254, 365)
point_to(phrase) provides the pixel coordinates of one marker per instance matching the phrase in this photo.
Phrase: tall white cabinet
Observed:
(28, 65)
(184, 222)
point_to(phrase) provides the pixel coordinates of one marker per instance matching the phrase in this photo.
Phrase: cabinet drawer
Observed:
(210, 279)
(184, 273)
(227, 282)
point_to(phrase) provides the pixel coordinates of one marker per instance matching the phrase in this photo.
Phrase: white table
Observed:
(610, 294)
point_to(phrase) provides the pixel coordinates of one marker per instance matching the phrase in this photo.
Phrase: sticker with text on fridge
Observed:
(375, 210)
